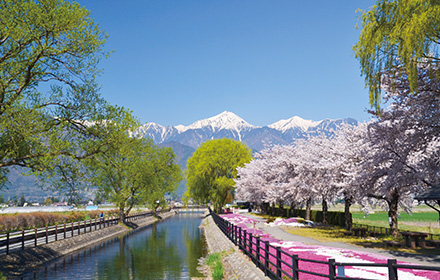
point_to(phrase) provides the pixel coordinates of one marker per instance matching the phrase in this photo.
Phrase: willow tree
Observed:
(396, 37)
(49, 52)
(134, 171)
(212, 169)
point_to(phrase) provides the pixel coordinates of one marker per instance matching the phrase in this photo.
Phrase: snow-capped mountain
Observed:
(225, 120)
(293, 123)
(229, 125)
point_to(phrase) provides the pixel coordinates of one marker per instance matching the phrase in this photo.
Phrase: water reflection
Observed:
(166, 250)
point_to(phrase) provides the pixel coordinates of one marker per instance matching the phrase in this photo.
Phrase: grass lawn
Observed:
(417, 221)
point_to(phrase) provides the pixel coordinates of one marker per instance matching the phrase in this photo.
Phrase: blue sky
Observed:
(176, 62)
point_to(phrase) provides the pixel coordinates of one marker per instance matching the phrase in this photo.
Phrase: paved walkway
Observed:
(278, 233)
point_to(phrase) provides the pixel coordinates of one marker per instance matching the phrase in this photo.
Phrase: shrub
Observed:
(29, 220)
(94, 214)
(113, 212)
(76, 216)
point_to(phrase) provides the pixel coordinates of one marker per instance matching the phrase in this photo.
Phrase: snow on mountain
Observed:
(293, 123)
(225, 120)
(155, 131)
(229, 125)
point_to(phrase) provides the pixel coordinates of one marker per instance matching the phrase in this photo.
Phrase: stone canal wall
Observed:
(236, 264)
(20, 262)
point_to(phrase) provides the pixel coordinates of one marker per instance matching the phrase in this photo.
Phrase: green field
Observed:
(417, 221)
(404, 217)
(423, 218)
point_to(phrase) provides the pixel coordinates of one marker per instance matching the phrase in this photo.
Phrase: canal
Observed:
(169, 249)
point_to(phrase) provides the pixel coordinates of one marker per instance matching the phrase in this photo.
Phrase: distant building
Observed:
(59, 204)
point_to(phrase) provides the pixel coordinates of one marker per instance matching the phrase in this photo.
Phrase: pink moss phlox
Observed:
(287, 221)
(316, 252)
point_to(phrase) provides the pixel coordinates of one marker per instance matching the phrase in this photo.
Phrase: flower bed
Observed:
(323, 253)
(292, 222)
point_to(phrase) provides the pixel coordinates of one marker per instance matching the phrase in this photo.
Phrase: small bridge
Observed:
(191, 209)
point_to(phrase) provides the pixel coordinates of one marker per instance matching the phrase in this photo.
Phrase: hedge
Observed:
(333, 217)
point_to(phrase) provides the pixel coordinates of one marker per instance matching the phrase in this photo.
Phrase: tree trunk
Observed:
(348, 217)
(265, 207)
(121, 215)
(308, 208)
(281, 209)
(392, 213)
(324, 211)
(218, 208)
(292, 209)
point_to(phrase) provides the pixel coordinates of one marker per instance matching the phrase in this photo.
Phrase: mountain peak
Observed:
(224, 120)
(292, 123)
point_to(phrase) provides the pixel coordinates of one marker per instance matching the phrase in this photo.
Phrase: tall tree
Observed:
(49, 51)
(405, 146)
(134, 171)
(398, 35)
(212, 168)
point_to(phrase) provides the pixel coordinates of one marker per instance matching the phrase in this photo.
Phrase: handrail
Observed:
(274, 267)
(33, 237)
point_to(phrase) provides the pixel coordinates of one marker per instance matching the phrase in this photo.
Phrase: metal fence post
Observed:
(331, 269)
(7, 243)
(36, 236)
(257, 255)
(56, 232)
(72, 229)
(244, 241)
(392, 270)
(278, 262)
(239, 237)
(79, 227)
(295, 273)
(250, 244)
(22, 239)
(230, 233)
(266, 257)
(47, 235)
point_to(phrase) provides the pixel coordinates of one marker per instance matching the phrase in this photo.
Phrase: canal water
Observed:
(169, 249)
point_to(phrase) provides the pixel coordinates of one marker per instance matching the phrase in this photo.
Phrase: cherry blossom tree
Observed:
(349, 147)
(405, 143)
(265, 180)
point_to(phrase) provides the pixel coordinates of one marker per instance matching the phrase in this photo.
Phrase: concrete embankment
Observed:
(20, 262)
(236, 264)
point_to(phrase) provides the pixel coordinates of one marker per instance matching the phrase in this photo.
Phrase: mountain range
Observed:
(185, 139)
(229, 125)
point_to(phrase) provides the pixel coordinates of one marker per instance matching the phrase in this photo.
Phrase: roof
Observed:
(430, 194)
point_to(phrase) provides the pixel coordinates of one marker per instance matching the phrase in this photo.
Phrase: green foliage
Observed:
(134, 171)
(214, 261)
(212, 168)
(396, 36)
(49, 52)
(22, 200)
